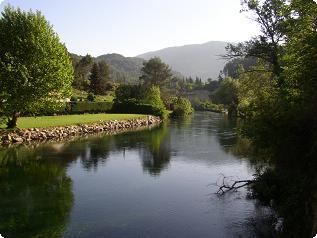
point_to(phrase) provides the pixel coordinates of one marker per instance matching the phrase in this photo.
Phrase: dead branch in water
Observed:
(232, 185)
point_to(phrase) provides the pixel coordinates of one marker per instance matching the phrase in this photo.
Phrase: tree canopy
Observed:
(155, 72)
(35, 68)
(278, 98)
(99, 77)
(82, 68)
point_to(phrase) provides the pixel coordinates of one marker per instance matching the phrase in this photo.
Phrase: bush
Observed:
(209, 106)
(89, 107)
(152, 96)
(91, 97)
(139, 99)
(73, 99)
(136, 107)
(125, 92)
(181, 107)
(3, 120)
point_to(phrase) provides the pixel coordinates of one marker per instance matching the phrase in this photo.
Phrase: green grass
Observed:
(66, 120)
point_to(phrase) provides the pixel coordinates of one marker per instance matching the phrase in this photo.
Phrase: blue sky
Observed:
(132, 27)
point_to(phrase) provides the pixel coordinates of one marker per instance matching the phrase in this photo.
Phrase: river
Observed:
(152, 183)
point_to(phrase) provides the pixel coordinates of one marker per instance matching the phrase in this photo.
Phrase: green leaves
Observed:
(152, 96)
(155, 72)
(181, 107)
(99, 77)
(35, 68)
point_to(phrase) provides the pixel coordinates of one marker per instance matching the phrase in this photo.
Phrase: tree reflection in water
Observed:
(284, 182)
(36, 195)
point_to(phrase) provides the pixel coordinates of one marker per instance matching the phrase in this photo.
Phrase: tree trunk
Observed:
(232, 111)
(13, 121)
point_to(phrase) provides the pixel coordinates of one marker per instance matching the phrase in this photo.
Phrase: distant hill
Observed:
(123, 67)
(202, 60)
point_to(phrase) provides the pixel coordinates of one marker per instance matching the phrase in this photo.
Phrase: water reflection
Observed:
(36, 196)
(288, 186)
(36, 193)
(158, 153)
(150, 183)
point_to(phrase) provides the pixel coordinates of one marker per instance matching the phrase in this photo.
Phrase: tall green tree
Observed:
(301, 52)
(82, 70)
(227, 94)
(99, 77)
(279, 100)
(155, 72)
(271, 16)
(35, 68)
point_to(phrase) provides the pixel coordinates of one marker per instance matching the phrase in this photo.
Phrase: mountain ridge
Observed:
(194, 60)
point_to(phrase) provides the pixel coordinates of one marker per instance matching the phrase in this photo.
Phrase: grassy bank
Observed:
(66, 120)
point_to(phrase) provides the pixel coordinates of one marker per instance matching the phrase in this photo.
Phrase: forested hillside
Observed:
(121, 69)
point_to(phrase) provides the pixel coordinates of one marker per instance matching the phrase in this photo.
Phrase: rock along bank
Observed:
(19, 136)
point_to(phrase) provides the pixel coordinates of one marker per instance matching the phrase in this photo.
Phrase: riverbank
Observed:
(19, 136)
(69, 120)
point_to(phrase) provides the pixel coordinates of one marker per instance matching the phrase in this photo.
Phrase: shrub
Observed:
(91, 97)
(152, 96)
(125, 92)
(209, 106)
(181, 107)
(3, 120)
(73, 99)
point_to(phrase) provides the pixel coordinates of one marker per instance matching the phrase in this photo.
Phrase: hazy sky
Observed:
(132, 27)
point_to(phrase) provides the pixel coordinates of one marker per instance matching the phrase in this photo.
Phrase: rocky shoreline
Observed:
(19, 136)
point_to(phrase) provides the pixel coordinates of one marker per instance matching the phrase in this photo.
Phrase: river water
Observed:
(152, 183)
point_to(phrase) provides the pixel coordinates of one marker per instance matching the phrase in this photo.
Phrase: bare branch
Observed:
(232, 186)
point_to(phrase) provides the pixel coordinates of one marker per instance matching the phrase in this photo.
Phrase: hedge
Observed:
(88, 107)
(136, 107)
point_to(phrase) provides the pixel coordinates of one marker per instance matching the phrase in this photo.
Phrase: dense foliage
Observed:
(139, 99)
(272, 96)
(88, 107)
(82, 67)
(155, 72)
(125, 92)
(206, 105)
(145, 98)
(35, 68)
(99, 78)
(137, 107)
(277, 97)
(181, 107)
(152, 96)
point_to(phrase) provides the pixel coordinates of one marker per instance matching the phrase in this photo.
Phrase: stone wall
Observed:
(19, 136)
